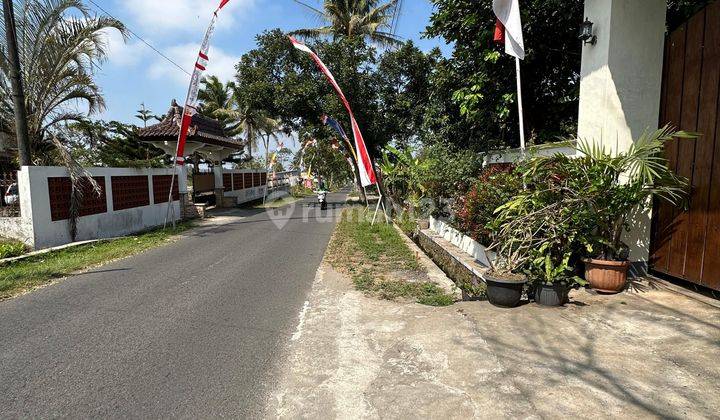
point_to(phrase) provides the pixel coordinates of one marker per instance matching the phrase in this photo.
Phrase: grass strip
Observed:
(374, 255)
(20, 276)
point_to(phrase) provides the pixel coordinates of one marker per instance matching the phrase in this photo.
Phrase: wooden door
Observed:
(686, 244)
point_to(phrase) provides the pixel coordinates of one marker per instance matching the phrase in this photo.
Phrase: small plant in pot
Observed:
(504, 284)
(552, 279)
(505, 279)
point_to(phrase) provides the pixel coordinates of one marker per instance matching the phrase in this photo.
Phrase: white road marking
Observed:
(299, 329)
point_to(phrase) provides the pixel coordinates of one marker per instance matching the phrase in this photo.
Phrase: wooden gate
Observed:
(686, 244)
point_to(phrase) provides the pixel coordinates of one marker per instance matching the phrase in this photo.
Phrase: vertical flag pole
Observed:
(520, 106)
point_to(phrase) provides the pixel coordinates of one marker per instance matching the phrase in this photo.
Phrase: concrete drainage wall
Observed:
(464, 260)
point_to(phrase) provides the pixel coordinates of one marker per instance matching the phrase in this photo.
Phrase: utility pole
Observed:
(21, 128)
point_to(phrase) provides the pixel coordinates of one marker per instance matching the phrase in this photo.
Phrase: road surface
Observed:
(192, 329)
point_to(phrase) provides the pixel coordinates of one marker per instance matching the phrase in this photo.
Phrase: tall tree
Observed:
(403, 88)
(367, 19)
(61, 46)
(478, 81)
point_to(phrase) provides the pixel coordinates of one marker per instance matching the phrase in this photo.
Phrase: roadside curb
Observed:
(436, 275)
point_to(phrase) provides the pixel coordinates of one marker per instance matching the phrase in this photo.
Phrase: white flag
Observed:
(508, 12)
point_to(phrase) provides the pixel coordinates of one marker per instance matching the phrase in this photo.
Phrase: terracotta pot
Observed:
(606, 276)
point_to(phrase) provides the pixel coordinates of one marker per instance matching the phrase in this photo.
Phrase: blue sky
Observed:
(135, 74)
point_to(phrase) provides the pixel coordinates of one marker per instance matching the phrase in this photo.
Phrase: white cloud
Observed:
(221, 64)
(183, 15)
(124, 53)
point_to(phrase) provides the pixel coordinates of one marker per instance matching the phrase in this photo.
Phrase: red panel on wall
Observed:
(60, 190)
(161, 188)
(263, 178)
(238, 182)
(227, 182)
(129, 192)
(248, 180)
(256, 180)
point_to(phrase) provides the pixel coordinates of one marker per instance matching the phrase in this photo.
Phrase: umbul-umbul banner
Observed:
(365, 167)
(191, 103)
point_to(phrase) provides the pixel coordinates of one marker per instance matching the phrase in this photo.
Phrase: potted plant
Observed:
(505, 279)
(504, 284)
(588, 200)
(545, 229)
(553, 279)
(619, 186)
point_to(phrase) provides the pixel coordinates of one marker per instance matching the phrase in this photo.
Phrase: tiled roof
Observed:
(202, 129)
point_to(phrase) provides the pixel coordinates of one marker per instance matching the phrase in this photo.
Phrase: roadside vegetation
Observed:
(379, 262)
(276, 203)
(33, 272)
(11, 248)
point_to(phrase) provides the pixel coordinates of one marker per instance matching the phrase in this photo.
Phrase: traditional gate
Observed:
(686, 244)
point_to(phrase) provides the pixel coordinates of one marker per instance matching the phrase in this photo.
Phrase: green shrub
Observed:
(300, 191)
(473, 211)
(10, 249)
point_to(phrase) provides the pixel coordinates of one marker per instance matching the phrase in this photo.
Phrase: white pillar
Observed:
(182, 179)
(621, 81)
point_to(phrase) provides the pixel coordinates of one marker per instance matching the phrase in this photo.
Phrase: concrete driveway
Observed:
(646, 354)
(192, 329)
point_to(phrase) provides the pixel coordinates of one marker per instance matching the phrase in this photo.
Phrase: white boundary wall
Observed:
(513, 155)
(36, 228)
(246, 194)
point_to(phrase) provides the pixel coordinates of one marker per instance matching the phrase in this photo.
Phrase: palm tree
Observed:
(215, 95)
(254, 123)
(370, 19)
(61, 44)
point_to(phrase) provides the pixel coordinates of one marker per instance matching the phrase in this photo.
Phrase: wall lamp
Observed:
(586, 33)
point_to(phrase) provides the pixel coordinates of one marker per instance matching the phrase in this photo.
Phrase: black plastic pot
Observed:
(505, 293)
(554, 295)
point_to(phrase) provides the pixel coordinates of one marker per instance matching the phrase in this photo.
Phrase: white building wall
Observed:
(621, 83)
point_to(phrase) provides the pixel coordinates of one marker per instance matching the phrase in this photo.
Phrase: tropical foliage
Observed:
(474, 211)
(575, 207)
(61, 44)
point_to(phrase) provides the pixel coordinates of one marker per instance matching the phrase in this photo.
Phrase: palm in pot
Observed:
(604, 191)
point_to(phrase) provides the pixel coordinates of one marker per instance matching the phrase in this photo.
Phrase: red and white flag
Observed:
(191, 103)
(365, 167)
(508, 28)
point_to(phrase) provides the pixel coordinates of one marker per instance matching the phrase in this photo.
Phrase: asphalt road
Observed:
(193, 329)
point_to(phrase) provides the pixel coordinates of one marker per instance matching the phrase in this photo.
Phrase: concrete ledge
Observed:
(462, 269)
(436, 275)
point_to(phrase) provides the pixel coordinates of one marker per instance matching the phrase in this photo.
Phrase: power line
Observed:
(160, 53)
(396, 17)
